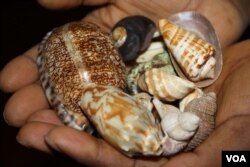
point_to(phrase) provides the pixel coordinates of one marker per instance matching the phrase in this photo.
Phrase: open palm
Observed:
(42, 129)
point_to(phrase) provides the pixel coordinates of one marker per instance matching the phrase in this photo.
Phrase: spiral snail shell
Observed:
(132, 35)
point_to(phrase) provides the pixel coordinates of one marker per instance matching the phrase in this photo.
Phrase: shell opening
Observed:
(119, 36)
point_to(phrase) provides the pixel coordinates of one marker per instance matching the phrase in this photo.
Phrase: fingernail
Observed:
(22, 142)
(51, 143)
(4, 118)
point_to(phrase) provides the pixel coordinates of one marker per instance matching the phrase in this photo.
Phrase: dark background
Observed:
(23, 23)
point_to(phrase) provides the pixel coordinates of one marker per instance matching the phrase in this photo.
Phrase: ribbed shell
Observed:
(71, 56)
(193, 54)
(205, 108)
(195, 94)
(121, 120)
(164, 86)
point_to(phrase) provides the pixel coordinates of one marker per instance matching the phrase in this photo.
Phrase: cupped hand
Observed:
(41, 129)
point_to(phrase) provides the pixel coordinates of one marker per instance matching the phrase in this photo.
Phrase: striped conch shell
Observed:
(205, 108)
(121, 120)
(164, 86)
(193, 54)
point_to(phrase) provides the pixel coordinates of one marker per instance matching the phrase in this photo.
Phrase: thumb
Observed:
(68, 4)
(85, 148)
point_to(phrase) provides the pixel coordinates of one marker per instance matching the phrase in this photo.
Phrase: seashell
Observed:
(196, 52)
(133, 76)
(177, 125)
(132, 35)
(191, 52)
(145, 100)
(164, 86)
(121, 120)
(72, 56)
(197, 93)
(154, 49)
(171, 146)
(161, 61)
(205, 108)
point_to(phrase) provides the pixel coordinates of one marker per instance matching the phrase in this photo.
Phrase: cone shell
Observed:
(190, 51)
(195, 56)
(205, 108)
(164, 86)
(121, 120)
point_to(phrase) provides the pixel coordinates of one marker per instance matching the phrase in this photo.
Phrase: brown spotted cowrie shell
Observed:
(72, 56)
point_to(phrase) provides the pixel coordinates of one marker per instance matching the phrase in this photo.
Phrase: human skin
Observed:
(41, 129)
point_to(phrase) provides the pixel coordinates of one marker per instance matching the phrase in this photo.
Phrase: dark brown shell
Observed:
(71, 56)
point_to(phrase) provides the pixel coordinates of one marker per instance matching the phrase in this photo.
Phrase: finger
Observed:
(85, 148)
(223, 138)
(68, 4)
(19, 72)
(233, 85)
(32, 135)
(106, 17)
(234, 96)
(23, 103)
(231, 62)
(45, 116)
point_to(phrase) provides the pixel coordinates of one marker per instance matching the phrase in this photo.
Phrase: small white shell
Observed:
(164, 86)
(171, 146)
(176, 124)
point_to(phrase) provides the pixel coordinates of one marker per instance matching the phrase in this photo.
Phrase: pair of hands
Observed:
(41, 128)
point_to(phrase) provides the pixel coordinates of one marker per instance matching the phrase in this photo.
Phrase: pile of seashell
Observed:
(141, 89)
